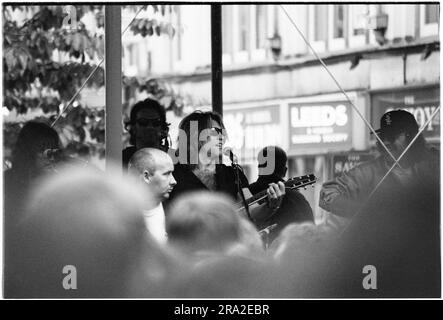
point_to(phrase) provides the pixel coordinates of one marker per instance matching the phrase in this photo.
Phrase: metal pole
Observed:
(216, 56)
(113, 82)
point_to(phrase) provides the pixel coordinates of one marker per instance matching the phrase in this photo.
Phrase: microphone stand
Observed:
(236, 168)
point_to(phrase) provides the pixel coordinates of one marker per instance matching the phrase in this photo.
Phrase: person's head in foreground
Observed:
(302, 256)
(83, 235)
(207, 222)
(227, 254)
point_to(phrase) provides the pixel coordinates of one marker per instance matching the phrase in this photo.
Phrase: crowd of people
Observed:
(179, 223)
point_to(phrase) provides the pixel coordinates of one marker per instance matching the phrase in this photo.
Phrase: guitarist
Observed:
(199, 165)
(294, 208)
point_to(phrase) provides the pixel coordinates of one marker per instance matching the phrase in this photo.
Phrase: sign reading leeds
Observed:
(324, 125)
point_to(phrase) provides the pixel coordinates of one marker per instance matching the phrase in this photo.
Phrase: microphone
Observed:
(228, 152)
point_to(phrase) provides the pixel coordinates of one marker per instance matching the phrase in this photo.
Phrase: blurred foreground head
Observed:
(302, 254)
(85, 219)
(33, 140)
(227, 250)
(207, 222)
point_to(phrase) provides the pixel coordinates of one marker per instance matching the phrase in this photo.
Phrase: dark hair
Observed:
(203, 119)
(34, 138)
(280, 158)
(146, 104)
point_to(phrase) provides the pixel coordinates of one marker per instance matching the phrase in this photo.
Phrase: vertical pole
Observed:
(216, 56)
(113, 82)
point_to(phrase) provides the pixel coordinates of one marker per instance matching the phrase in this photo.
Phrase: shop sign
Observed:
(251, 129)
(420, 102)
(325, 126)
(344, 162)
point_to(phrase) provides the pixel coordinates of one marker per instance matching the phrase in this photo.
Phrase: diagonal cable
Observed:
(396, 161)
(338, 84)
(393, 165)
(92, 73)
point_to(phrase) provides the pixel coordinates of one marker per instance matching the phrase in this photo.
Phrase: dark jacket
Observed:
(293, 209)
(127, 153)
(187, 181)
(345, 195)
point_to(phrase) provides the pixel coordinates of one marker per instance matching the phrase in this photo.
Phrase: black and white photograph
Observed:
(221, 150)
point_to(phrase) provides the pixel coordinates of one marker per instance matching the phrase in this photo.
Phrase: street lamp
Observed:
(275, 45)
(378, 24)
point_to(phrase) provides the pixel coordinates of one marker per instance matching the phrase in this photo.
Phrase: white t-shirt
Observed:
(155, 223)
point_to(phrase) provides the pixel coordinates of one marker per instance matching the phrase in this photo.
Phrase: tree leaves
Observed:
(33, 80)
(147, 27)
(159, 90)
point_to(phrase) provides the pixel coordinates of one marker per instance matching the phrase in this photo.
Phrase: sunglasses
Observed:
(216, 131)
(143, 122)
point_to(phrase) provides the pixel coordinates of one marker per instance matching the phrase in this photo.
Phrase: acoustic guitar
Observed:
(291, 184)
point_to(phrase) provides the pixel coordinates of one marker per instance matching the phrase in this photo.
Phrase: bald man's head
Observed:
(155, 167)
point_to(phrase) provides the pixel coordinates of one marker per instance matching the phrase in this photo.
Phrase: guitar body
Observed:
(256, 202)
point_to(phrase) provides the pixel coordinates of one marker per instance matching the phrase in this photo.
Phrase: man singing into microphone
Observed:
(200, 152)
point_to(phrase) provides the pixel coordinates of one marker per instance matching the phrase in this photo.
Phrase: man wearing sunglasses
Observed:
(419, 167)
(147, 127)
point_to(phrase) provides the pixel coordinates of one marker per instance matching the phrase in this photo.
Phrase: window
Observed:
(318, 26)
(131, 60)
(337, 31)
(338, 20)
(358, 14)
(431, 13)
(226, 29)
(320, 22)
(260, 26)
(133, 54)
(244, 27)
(429, 19)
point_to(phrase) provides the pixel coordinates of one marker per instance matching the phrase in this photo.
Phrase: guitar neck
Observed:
(256, 198)
(290, 184)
